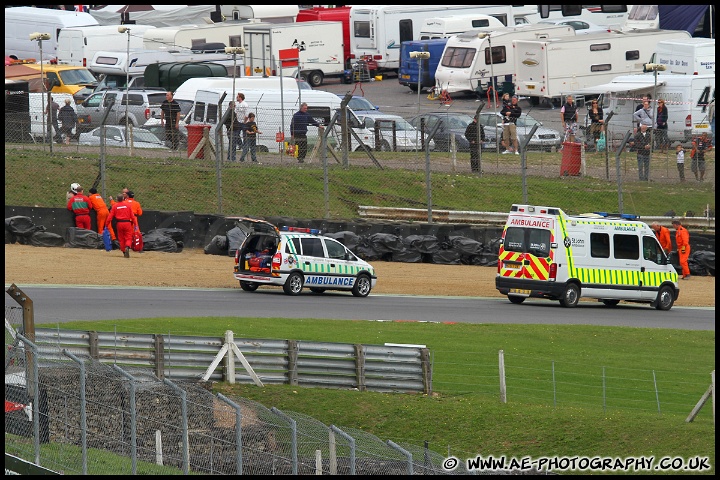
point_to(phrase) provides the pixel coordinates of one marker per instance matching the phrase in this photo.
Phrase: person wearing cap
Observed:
(126, 222)
(682, 240)
(663, 236)
(510, 114)
(79, 204)
(97, 203)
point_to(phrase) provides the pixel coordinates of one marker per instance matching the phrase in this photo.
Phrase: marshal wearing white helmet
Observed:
(73, 190)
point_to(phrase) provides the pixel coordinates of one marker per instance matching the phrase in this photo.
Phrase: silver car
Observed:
(545, 139)
(396, 134)
(115, 137)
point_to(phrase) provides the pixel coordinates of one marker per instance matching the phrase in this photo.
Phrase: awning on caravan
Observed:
(613, 87)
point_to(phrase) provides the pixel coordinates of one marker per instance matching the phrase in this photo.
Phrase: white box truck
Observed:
(20, 22)
(686, 56)
(320, 55)
(467, 65)
(78, 45)
(550, 68)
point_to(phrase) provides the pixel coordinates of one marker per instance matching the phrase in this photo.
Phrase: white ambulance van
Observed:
(545, 253)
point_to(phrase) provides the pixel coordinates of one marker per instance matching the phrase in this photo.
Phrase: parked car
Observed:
(406, 137)
(159, 131)
(115, 137)
(581, 27)
(360, 105)
(142, 104)
(451, 125)
(544, 138)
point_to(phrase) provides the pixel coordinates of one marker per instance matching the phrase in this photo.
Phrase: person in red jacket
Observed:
(79, 204)
(122, 212)
(663, 236)
(682, 240)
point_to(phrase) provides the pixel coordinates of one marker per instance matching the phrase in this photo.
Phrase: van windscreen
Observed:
(535, 241)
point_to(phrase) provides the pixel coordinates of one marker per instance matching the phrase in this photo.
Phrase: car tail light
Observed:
(277, 261)
(553, 271)
(499, 268)
(688, 121)
(147, 114)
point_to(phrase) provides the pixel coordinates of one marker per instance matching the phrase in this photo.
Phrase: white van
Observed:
(78, 45)
(686, 56)
(686, 98)
(20, 22)
(545, 253)
(38, 120)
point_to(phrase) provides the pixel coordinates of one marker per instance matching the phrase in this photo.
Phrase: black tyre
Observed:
(362, 286)
(610, 302)
(248, 286)
(385, 146)
(571, 297)
(315, 78)
(515, 299)
(294, 284)
(317, 290)
(413, 87)
(665, 298)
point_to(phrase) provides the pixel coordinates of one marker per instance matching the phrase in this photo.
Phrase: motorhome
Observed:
(686, 96)
(78, 45)
(20, 22)
(230, 34)
(334, 14)
(319, 56)
(377, 31)
(686, 56)
(467, 65)
(411, 68)
(444, 27)
(548, 68)
(612, 17)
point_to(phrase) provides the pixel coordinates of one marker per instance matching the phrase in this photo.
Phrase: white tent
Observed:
(155, 15)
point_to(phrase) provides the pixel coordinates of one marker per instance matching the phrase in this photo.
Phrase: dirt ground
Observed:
(28, 265)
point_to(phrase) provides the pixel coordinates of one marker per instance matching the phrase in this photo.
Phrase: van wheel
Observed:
(665, 299)
(571, 297)
(362, 286)
(317, 290)
(315, 78)
(385, 146)
(262, 149)
(248, 286)
(294, 284)
(515, 299)
(610, 302)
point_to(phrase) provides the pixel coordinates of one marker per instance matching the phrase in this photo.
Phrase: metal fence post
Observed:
(407, 454)
(238, 432)
(184, 414)
(293, 428)
(83, 409)
(133, 419)
(36, 395)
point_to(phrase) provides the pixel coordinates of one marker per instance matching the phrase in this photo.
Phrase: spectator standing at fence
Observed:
(680, 159)
(241, 107)
(126, 223)
(298, 130)
(661, 127)
(510, 114)
(250, 142)
(697, 165)
(97, 203)
(596, 121)
(69, 119)
(474, 133)
(641, 143)
(79, 204)
(663, 236)
(51, 110)
(234, 130)
(170, 117)
(569, 117)
(682, 241)
(644, 115)
(124, 196)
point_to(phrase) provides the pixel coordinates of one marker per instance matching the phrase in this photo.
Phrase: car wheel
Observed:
(315, 78)
(665, 298)
(571, 297)
(248, 286)
(294, 284)
(610, 302)
(515, 299)
(362, 286)
(317, 290)
(385, 146)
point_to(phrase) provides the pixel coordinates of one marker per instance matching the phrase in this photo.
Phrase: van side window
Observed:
(335, 249)
(626, 247)
(652, 251)
(600, 245)
(312, 247)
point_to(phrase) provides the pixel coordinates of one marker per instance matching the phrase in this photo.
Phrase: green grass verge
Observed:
(464, 416)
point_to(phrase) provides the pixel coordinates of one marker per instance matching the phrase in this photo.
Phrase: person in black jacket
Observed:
(473, 133)
(298, 129)
(68, 118)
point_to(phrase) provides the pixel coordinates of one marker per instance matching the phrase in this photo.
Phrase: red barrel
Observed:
(195, 136)
(571, 159)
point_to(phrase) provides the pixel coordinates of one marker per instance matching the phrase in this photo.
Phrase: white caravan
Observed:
(686, 98)
(467, 66)
(78, 45)
(686, 56)
(551, 68)
(319, 55)
(20, 22)
(191, 36)
(444, 27)
(377, 31)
